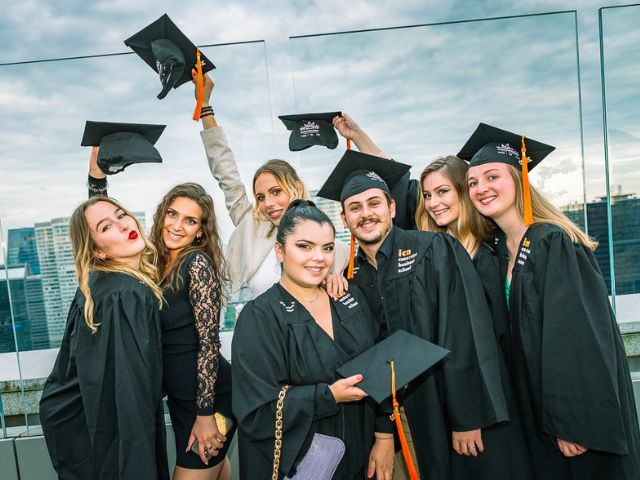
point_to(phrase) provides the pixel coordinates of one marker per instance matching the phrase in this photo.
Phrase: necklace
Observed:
(315, 298)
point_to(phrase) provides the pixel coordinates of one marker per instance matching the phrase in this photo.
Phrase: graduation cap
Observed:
(392, 364)
(357, 172)
(411, 355)
(310, 129)
(169, 52)
(122, 144)
(490, 144)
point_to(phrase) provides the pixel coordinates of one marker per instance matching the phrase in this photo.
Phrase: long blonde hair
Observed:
(209, 243)
(473, 228)
(287, 178)
(86, 261)
(545, 212)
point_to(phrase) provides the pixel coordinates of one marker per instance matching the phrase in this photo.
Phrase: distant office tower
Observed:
(58, 274)
(625, 209)
(16, 276)
(36, 311)
(21, 249)
(332, 209)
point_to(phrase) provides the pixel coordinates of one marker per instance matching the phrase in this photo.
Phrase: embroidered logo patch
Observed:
(506, 149)
(310, 129)
(375, 176)
(523, 255)
(348, 301)
(406, 259)
(288, 308)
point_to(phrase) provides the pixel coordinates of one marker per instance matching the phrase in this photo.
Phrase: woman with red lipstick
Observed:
(250, 253)
(569, 369)
(196, 377)
(101, 407)
(296, 334)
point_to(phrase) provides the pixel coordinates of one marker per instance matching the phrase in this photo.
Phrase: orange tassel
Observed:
(526, 189)
(348, 144)
(199, 86)
(413, 474)
(352, 258)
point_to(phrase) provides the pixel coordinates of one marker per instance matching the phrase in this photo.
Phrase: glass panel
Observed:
(44, 171)
(620, 57)
(420, 91)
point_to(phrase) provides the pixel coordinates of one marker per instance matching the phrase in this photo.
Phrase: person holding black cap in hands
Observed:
(423, 283)
(568, 364)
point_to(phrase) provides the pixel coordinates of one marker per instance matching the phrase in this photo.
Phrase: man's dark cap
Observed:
(122, 144)
(411, 355)
(168, 52)
(357, 172)
(490, 144)
(308, 129)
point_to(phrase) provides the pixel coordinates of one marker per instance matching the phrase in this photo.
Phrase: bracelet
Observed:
(206, 114)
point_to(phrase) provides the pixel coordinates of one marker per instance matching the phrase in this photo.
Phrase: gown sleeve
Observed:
(473, 388)
(259, 371)
(580, 342)
(206, 301)
(119, 372)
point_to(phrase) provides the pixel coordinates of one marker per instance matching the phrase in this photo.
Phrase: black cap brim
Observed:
(95, 131)
(309, 129)
(490, 144)
(411, 355)
(388, 170)
(165, 28)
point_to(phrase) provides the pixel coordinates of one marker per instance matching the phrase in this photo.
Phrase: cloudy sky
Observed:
(418, 91)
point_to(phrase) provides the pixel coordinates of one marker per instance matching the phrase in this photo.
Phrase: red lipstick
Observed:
(133, 235)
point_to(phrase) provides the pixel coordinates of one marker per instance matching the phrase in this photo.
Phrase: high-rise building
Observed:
(332, 209)
(58, 274)
(625, 210)
(21, 249)
(14, 314)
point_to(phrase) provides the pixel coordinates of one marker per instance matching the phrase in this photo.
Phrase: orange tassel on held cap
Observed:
(526, 189)
(413, 474)
(199, 86)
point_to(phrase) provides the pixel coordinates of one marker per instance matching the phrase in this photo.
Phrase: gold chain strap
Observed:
(277, 446)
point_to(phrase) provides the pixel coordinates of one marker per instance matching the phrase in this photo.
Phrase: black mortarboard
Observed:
(490, 144)
(310, 129)
(169, 52)
(357, 172)
(122, 144)
(411, 355)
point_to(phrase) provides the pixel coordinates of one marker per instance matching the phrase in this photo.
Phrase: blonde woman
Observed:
(101, 408)
(445, 206)
(250, 254)
(569, 369)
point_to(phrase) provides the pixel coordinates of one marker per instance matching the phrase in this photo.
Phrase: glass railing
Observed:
(619, 212)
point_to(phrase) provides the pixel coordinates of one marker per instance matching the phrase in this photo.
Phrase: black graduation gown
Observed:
(569, 368)
(506, 455)
(101, 407)
(431, 289)
(276, 342)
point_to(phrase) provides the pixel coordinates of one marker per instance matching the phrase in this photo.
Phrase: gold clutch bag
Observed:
(224, 424)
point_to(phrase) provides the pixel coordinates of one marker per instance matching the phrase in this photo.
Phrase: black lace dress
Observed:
(196, 378)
